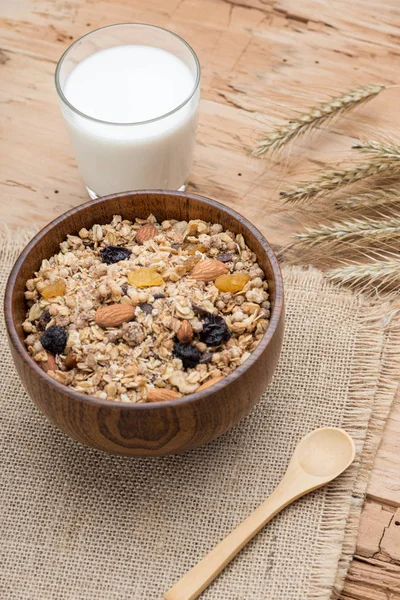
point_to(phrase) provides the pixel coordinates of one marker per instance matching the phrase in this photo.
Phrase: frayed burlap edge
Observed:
(337, 542)
(372, 403)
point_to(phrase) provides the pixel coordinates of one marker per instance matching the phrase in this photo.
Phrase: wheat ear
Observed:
(376, 197)
(381, 274)
(316, 116)
(371, 230)
(332, 180)
(380, 150)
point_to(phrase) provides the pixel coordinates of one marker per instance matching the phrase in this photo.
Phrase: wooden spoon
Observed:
(319, 457)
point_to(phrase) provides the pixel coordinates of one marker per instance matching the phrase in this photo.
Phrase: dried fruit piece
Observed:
(146, 232)
(114, 315)
(208, 270)
(113, 254)
(158, 295)
(232, 282)
(58, 288)
(162, 394)
(209, 383)
(49, 364)
(54, 339)
(145, 278)
(146, 308)
(43, 320)
(215, 331)
(185, 332)
(71, 361)
(224, 257)
(193, 248)
(189, 355)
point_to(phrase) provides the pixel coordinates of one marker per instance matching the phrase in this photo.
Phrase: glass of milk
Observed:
(129, 95)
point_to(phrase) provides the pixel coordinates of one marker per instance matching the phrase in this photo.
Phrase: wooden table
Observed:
(261, 60)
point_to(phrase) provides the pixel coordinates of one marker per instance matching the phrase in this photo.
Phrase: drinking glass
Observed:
(116, 157)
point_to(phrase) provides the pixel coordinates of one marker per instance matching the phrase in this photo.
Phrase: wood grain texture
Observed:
(261, 60)
(159, 427)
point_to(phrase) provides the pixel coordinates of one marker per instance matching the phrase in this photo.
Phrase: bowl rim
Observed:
(176, 402)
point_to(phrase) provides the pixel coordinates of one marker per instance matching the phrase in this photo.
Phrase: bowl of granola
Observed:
(146, 322)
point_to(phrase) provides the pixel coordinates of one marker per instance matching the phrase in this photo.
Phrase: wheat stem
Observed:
(381, 273)
(316, 116)
(376, 197)
(332, 180)
(367, 229)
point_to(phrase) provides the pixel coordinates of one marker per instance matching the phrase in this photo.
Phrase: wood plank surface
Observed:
(262, 61)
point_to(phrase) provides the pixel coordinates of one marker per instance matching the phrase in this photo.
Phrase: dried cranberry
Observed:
(146, 308)
(43, 320)
(224, 257)
(54, 339)
(189, 355)
(215, 331)
(113, 254)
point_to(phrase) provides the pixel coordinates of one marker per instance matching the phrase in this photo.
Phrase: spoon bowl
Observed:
(325, 452)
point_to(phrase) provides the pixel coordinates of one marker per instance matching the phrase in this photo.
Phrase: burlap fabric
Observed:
(77, 524)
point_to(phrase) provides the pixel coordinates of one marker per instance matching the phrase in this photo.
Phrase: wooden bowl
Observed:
(162, 427)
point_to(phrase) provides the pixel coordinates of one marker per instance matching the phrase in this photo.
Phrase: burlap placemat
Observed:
(77, 524)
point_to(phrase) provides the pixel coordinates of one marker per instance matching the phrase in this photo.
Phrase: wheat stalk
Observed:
(380, 150)
(370, 230)
(316, 116)
(376, 197)
(331, 180)
(381, 274)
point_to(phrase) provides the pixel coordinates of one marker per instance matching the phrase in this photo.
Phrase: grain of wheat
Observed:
(316, 116)
(333, 180)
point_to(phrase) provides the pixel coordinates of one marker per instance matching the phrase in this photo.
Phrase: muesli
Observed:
(145, 311)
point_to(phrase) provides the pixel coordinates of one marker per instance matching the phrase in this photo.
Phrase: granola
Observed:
(144, 311)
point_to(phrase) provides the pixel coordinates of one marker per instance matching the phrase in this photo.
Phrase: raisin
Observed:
(55, 289)
(189, 355)
(215, 331)
(146, 308)
(113, 254)
(232, 282)
(43, 320)
(224, 258)
(54, 339)
(144, 277)
(200, 311)
(206, 357)
(158, 295)
(124, 289)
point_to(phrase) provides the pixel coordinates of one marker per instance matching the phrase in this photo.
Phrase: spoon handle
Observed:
(201, 575)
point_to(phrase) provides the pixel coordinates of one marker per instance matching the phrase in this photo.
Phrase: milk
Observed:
(130, 141)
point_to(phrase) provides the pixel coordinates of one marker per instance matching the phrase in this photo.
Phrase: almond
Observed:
(49, 364)
(208, 270)
(114, 315)
(147, 232)
(71, 361)
(185, 332)
(209, 383)
(161, 394)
